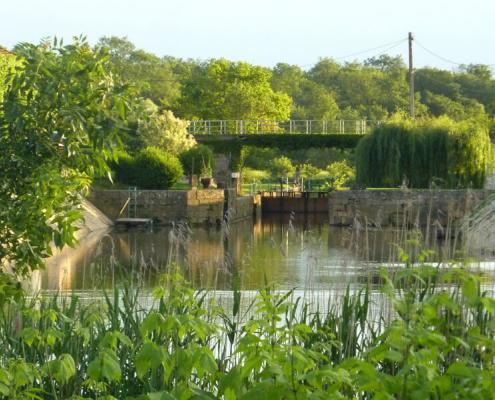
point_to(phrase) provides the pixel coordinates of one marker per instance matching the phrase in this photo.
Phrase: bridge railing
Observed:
(243, 127)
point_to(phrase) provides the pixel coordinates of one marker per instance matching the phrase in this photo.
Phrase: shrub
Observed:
(155, 169)
(150, 169)
(123, 168)
(196, 158)
(162, 129)
(441, 150)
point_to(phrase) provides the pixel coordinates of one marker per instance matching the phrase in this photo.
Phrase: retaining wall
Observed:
(167, 206)
(402, 207)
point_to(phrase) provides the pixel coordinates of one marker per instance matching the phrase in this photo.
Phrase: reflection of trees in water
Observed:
(285, 250)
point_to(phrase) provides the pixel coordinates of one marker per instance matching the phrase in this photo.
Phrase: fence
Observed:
(243, 127)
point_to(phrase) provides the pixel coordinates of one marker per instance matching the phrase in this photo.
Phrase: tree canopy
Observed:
(60, 120)
(375, 89)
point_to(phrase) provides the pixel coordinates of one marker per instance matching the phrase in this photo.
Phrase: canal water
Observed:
(280, 251)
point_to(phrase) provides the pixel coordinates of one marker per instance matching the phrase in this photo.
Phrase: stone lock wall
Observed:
(167, 206)
(402, 207)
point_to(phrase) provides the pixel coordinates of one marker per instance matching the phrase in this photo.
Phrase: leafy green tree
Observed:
(341, 174)
(162, 129)
(60, 121)
(220, 89)
(7, 63)
(281, 167)
(310, 100)
(153, 76)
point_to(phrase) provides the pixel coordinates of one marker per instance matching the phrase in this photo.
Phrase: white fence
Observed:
(243, 127)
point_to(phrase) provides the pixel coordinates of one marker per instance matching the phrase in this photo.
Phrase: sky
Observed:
(266, 32)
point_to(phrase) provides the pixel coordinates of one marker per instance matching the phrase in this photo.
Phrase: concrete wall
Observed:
(402, 207)
(167, 206)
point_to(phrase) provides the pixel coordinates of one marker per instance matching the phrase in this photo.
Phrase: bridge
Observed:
(306, 127)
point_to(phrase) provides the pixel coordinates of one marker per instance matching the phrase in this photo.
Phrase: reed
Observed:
(435, 341)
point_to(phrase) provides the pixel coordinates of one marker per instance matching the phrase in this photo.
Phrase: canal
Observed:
(283, 251)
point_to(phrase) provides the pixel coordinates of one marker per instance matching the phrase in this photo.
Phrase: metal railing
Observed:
(245, 127)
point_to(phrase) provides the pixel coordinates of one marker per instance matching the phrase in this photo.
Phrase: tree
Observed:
(60, 121)
(152, 75)
(281, 167)
(315, 102)
(7, 63)
(220, 89)
(162, 129)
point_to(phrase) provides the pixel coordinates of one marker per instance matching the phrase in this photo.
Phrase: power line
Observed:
(442, 57)
(392, 44)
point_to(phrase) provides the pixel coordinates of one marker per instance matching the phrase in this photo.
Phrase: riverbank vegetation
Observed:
(430, 336)
(440, 151)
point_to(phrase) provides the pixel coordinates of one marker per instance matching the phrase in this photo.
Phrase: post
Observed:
(411, 77)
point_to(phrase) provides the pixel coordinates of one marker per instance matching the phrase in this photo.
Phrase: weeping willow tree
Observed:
(441, 151)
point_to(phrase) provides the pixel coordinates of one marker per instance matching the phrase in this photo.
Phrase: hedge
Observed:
(151, 168)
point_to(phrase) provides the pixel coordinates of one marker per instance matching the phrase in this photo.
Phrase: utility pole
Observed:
(411, 77)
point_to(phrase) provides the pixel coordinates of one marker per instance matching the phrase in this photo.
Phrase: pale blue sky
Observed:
(265, 32)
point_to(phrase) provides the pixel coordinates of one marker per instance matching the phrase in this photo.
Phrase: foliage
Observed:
(151, 168)
(221, 89)
(308, 171)
(282, 167)
(162, 129)
(194, 159)
(291, 142)
(341, 174)
(251, 175)
(7, 63)
(154, 77)
(440, 151)
(123, 168)
(60, 121)
(374, 89)
(435, 339)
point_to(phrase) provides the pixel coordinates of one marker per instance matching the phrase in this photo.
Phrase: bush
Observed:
(155, 169)
(196, 158)
(123, 168)
(150, 169)
(438, 150)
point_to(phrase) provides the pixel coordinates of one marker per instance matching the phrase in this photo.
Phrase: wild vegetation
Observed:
(431, 337)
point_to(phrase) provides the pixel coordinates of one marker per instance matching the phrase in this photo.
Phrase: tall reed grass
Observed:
(435, 341)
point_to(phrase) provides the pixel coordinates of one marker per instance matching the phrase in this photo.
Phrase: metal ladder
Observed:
(132, 206)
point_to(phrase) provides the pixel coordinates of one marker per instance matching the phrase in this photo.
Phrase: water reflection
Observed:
(282, 250)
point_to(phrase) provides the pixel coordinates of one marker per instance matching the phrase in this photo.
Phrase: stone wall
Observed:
(298, 205)
(166, 206)
(402, 207)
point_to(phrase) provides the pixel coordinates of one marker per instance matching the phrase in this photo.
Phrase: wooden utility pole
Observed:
(411, 77)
